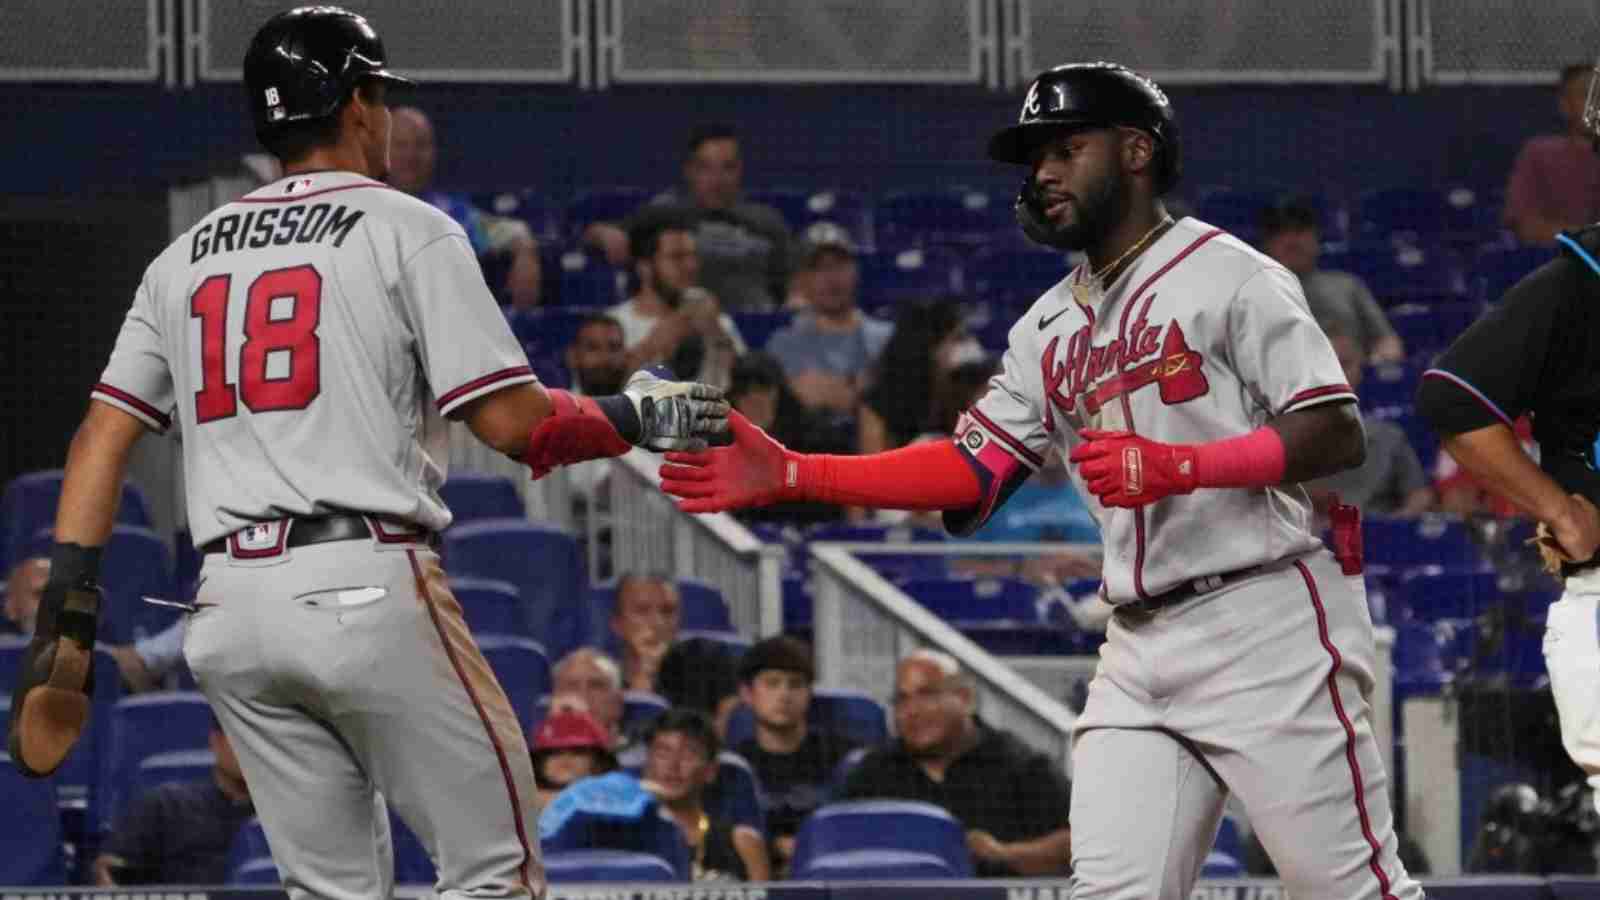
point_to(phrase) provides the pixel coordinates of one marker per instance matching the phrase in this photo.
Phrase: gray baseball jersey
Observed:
(1203, 338)
(309, 338)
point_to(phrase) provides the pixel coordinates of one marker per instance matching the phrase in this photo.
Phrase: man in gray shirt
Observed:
(1391, 481)
(826, 351)
(1339, 301)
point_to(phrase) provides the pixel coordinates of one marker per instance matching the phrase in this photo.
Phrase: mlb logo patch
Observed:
(259, 537)
(297, 185)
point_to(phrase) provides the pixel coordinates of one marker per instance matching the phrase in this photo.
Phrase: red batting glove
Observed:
(754, 471)
(1126, 470)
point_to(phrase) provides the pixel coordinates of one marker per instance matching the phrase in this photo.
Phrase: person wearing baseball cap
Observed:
(830, 345)
(792, 759)
(568, 745)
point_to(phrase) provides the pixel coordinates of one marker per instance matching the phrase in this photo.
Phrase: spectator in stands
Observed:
(745, 245)
(569, 744)
(1339, 301)
(1555, 181)
(1012, 800)
(412, 154)
(593, 677)
(1390, 481)
(180, 832)
(929, 342)
(142, 664)
(793, 760)
(829, 348)
(702, 674)
(597, 357)
(681, 762)
(671, 319)
(645, 620)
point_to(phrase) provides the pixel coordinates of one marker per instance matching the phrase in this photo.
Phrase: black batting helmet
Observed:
(1093, 95)
(304, 63)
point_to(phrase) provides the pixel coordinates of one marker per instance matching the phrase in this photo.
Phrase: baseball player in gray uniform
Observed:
(1182, 375)
(309, 340)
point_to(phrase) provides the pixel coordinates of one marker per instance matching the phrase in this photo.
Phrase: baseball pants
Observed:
(1572, 656)
(1262, 688)
(344, 670)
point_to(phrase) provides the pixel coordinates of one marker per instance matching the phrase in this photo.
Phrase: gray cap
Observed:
(821, 236)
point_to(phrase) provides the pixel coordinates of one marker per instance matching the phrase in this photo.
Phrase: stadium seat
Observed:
(521, 667)
(1496, 268)
(1418, 660)
(541, 560)
(954, 216)
(890, 278)
(79, 777)
(796, 602)
(1228, 840)
(12, 646)
(883, 825)
(874, 865)
(1221, 865)
(412, 865)
(976, 600)
(639, 708)
(586, 279)
(29, 504)
(612, 204)
(601, 866)
(176, 766)
(841, 772)
(548, 330)
(852, 714)
(1435, 592)
(258, 871)
(889, 564)
(702, 607)
(1407, 213)
(1402, 273)
(143, 726)
(1427, 328)
(1012, 278)
(135, 564)
(250, 843)
(1429, 540)
(529, 205)
(472, 496)
(852, 211)
(491, 606)
(30, 838)
(654, 834)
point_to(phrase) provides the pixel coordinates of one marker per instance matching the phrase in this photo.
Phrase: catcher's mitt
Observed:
(51, 705)
(1551, 552)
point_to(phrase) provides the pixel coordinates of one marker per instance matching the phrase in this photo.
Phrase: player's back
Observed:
(316, 330)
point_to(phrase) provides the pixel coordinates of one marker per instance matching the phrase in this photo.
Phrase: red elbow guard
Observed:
(576, 430)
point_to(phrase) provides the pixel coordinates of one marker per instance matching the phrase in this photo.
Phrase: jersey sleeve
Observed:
(138, 377)
(1278, 349)
(466, 347)
(1491, 374)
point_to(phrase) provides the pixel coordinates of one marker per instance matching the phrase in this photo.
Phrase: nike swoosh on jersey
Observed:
(1045, 322)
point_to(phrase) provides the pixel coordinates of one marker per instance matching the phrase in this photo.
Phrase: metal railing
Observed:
(647, 532)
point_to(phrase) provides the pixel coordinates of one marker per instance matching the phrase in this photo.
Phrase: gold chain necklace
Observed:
(1088, 290)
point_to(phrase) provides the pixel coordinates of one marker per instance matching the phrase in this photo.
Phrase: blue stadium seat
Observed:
(29, 504)
(250, 843)
(796, 602)
(1403, 273)
(874, 865)
(850, 713)
(1496, 268)
(541, 560)
(548, 330)
(841, 772)
(654, 834)
(1418, 660)
(521, 667)
(1013, 278)
(12, 646)
(143, 726)
(490, 606)
(602, 866)
(473, 495)
(889, 278)
(986, 600)
(702, 607)
(758, 327)
(1236, 210)
(412, 865)
(586, 279)
(612, 204)
(640, 707)
(1427, 328)
(531, 206)
(1390, 385)
(80, 774)
(1221, 865)
(260, 871)
(890, 565)
(30, 839)
(136, 564)
(852, 211)
(1435, 592)
(1429, 540)
(1409, 213)
(1229, 840)
(883, 825)
(177, 766)
(952, 216)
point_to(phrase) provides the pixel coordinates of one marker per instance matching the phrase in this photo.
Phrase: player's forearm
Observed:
(97, 461)
(1047, 855)
(1495, 458)
(928, 476)
(1320, 441)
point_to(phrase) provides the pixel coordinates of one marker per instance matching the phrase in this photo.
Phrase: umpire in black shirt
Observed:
(1538, 352)
(1012, 801)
